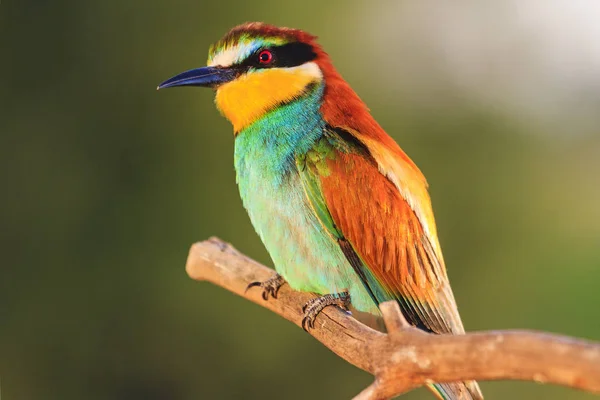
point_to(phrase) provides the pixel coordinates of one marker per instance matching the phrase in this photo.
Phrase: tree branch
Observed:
(406, 357)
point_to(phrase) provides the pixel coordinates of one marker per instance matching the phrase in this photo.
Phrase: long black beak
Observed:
(205, 77)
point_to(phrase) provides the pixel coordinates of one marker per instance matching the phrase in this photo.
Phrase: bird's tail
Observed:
(457, 391)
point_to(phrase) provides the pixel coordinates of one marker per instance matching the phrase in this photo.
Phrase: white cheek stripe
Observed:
(309, 68)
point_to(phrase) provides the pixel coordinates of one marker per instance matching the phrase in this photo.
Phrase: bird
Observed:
(340, 207)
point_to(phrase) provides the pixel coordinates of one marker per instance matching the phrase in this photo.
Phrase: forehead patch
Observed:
(225, 54)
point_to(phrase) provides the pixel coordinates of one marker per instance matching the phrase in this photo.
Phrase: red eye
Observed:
(265, 57)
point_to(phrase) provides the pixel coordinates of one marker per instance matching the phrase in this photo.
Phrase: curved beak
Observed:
(204, 77)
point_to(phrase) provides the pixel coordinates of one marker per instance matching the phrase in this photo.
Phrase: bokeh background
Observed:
(106, 183)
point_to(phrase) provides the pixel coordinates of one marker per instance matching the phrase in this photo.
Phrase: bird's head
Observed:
(255, 68)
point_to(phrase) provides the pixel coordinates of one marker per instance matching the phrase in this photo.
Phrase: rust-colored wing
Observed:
(399, 251)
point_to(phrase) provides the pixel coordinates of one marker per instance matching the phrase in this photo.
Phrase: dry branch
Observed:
(407, 358)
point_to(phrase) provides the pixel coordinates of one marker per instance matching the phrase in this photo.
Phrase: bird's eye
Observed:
(265, 57)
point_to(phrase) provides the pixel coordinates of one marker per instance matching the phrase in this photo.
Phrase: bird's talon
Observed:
(270, 286)
(251, 285)
(314, 307)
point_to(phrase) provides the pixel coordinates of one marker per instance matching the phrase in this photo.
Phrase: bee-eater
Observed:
(341, 209)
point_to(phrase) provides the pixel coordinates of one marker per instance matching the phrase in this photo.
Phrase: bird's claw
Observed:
(270, 286)
(314, 307)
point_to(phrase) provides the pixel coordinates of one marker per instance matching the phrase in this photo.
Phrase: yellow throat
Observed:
(253, 94)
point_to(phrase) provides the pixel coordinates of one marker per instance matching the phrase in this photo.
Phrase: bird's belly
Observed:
(302, 251)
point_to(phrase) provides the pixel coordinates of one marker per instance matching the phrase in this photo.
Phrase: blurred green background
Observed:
(106, 183)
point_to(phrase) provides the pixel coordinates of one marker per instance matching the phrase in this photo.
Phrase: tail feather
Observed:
(457, 391)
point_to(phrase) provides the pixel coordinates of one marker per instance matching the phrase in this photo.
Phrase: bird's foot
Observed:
(314, 307)
(269, 287)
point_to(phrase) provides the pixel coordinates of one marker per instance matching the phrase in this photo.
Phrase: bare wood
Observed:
(407, 358)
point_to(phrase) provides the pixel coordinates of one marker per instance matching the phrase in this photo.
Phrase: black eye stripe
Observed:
(284, 56)
(293, 54)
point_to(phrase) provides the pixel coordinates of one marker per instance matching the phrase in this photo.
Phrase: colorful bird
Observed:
(341, 209)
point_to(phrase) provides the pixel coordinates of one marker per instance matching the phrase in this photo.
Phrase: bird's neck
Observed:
(272, 141)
